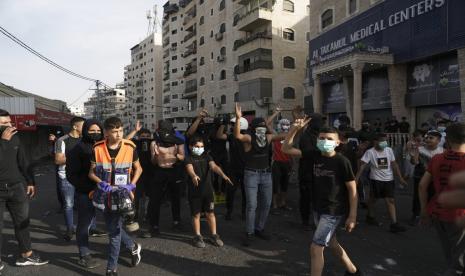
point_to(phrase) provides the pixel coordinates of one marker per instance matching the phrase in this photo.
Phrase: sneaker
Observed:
(217, 241)
(397, 228)
(373, 221)
(135, 254)
(88, 262)
(262, 235)
(155, 231)
(68, 236)
(2, 265)
(357, 273)
(111, 273)
(97, 233)
(34, 259)
(248, 240)
(198, 242)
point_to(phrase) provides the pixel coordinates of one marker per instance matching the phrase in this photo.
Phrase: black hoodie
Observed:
(78, 160)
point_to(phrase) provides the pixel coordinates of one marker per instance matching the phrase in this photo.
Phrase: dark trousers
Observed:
(141, 192)
(164, 180)
(305, 201)
(13, 196)
(218, 183)
(416, 198)
(280, 175)
(237, 177)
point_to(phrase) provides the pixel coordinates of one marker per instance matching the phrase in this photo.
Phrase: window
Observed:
(202, 61)
(202, 81)
(174, 97)
(174, 32)
(308, 9)
(175, 70)
(202, 40)
(174, 18)
(212, 77)
(307, 36)
(288, 6)
(351, 6)
(326, 19)
(222, 28)
(222, 5)
(211, 33)
(202, 103)
(211, 55)
(202, 20)
(223, 75)
(223, 51)
(223, 99)
(201, 2)
(289, 93)
(289, 62)
(211, 12)
(174, 83)
(174, 57)
(236, 97)
(288, 34)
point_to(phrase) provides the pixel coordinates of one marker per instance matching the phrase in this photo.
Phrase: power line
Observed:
(34, 52)
(82, 95)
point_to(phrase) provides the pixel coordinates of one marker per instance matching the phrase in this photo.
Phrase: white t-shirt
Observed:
(380, 163)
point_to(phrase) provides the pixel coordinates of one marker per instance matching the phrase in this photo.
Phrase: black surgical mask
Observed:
(95, 136)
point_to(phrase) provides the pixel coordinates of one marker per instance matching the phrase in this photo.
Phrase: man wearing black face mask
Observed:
(14, 194)
(143, 151)
(257, 174)
(307, 143)
(77, 170)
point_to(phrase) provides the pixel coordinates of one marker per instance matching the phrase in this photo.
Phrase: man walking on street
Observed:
(62, 146)
(14, 194)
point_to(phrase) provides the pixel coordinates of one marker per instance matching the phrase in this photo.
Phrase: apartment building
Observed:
(143, 80)
(108, 103)
(376, 59)
(216, 53)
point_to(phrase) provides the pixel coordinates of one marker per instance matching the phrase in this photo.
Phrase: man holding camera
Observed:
(14, 194)
(115, 165)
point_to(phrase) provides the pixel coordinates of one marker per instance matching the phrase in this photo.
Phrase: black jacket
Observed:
(78, 161)
(14, 167)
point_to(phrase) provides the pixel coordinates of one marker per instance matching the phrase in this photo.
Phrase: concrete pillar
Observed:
(317, 97)
(461, 62)
(348, 85)
(397, 75)
(357, 113)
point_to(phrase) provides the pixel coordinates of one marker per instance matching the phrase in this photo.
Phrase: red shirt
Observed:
(441, 167)
(278, 155)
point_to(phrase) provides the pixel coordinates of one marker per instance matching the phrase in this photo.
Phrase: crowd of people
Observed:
(338, 169)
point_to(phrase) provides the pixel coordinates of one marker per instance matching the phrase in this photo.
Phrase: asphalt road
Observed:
(375, 250)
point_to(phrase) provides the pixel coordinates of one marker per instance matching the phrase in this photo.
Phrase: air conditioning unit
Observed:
(219, 36)
(267, 100)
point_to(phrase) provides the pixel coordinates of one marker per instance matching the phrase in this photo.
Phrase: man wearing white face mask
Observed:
(382, 164)
(257, 175)
(441, 127)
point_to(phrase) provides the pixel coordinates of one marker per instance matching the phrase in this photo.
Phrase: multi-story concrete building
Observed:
(109, 103)
(77, 110)
(143, 80)
(374, 59)
(217, 53)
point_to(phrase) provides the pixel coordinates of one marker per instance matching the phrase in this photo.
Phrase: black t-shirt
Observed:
(143, 151)
(202, 169)
(236, 154)
(218, 148)
(114, 152)
(307, 145)
(329, 190)
(404, 127)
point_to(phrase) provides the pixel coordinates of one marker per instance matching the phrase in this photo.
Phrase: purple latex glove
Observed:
(130, 187)
(104, 186)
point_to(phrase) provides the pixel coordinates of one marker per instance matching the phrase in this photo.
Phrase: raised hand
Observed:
(301, 123)
(138, 125)
(238, 111)
(203, 113)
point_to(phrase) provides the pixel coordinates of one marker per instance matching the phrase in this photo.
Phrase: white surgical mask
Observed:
(198, 151)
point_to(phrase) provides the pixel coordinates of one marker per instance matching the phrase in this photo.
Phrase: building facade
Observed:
(216, 53)
(376, 59)
(143, 80)
(110, 103)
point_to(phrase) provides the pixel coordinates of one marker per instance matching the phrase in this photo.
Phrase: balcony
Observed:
(166, 53)
(184, 3)
(171, 9)
(190, 69)
(258, 64)
(166, 30)
(189, 16)
(191, 87)
(166, 42)
(166, 88)
(166, 77)
(190, 51)
(190, 35)
(257, 40)
(255, 14)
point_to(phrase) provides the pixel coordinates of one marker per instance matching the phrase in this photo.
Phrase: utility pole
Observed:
(98, 108)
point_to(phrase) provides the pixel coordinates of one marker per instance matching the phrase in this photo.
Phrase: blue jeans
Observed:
(259, 193)
(326, 226)
(116, 235)
(67, 194)
(86, 221)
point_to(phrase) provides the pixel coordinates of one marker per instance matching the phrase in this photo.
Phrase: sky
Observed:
(89, 37)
